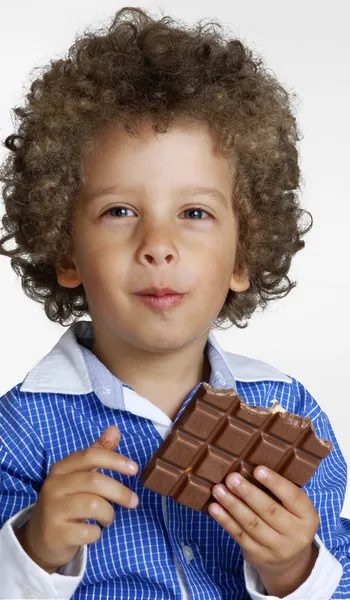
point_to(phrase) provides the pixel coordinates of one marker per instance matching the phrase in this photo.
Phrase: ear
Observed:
(239, 281)
(68, 275)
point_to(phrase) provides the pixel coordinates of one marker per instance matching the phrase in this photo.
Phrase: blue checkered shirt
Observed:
(134, 557)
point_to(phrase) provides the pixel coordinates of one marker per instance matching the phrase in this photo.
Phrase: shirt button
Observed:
(188, 554)
(221, 380)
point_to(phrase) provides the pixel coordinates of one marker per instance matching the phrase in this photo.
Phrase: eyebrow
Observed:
(193, 190)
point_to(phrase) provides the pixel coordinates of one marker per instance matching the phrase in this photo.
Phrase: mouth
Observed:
(158, 291)
(160, 298)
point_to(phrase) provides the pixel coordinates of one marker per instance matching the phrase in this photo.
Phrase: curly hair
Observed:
(137, 70)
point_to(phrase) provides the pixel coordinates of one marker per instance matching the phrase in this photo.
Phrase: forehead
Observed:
(186, 145)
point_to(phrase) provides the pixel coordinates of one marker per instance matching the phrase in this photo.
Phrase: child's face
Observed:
(155, 239)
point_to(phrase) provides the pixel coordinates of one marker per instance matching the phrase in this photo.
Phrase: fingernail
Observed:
(234, 481)
(134, 500)
(132, 466)
(216, 510)
(219, 491)
(262, 473)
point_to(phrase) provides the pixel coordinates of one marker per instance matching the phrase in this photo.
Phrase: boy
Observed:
(153, 188)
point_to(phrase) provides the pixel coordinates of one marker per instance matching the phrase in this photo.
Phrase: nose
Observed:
(157, 247)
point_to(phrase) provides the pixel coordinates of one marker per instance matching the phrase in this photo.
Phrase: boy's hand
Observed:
(276, 539)
(72, 493)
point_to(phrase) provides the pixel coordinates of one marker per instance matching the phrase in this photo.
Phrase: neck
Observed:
(164, 378)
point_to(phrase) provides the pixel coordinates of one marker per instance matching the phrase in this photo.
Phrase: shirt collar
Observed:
(72, 368)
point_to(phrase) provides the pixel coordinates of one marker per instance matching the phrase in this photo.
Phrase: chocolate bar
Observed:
(217, 434)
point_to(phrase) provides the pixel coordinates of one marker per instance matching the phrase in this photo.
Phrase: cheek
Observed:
(213, 274)
(217, 261)
(100, 269)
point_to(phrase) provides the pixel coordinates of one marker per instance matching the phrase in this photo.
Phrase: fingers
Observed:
(109, 440)
(246, 522)
(88, 506)
(247, 539)
(95, 483)
(94, 457)
(270, 511)
(291, 496)
(78, 534)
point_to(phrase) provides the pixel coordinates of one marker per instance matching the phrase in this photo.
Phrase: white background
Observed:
(307, 45)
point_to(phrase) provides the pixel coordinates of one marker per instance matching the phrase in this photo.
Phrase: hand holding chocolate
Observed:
(217, 434)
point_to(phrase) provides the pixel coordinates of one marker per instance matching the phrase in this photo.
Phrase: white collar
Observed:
(64, 370)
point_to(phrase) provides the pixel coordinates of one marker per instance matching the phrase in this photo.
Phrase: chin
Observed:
(158, 345)
(162, 342)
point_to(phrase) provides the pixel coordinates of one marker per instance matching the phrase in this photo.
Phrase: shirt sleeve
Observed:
(21, 577)
(320, 584)
(330, 577)
(22, 471)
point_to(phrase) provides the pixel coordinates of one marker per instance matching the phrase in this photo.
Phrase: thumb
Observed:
(109, 439)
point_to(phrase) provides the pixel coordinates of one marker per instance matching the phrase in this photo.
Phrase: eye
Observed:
(122, 211)
(119, 210)
(196, 213)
